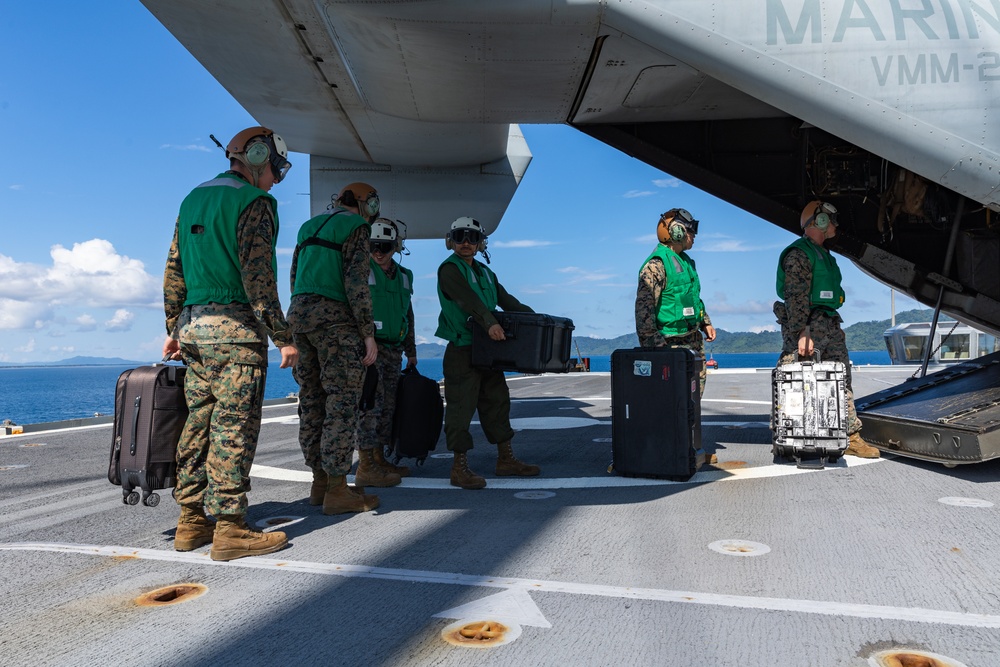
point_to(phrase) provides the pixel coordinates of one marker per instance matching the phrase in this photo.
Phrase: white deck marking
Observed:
(609, 481)
(513, 605)
(823, 607)
(733, 400)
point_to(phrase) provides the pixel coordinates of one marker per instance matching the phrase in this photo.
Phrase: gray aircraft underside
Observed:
(883, 107)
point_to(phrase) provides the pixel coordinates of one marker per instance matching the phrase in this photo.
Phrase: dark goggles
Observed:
(384, 247)
(472, 236)
(279, 167)
(687, 220)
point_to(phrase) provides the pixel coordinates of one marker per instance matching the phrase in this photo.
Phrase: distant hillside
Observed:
(861, 336)
(80, 361)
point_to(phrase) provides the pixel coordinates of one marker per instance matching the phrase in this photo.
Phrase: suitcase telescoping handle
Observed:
(172, 369)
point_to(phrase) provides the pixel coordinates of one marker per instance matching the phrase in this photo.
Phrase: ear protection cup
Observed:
(677, 231)
(447, 243)
(258, 153)
(821, 219)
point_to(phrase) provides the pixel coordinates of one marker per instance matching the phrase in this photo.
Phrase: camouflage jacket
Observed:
(652, 282)
(798, 284)
(251, 322)
(309, 312)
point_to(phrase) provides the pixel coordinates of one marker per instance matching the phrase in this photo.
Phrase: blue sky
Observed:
(107, 120)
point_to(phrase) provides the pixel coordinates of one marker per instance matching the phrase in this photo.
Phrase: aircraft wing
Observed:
(884, 109)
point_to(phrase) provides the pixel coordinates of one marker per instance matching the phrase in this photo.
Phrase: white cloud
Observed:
(579, 276)
(284, 251)
(648, 238)
(187, 147)
(719, 304)
(85, 323)
(667, 183)
(16, 186)
(91, 274)
(632, 194)
(526, 243)
(28, 347)
(766, 327)
(22, 314)
(122, 321)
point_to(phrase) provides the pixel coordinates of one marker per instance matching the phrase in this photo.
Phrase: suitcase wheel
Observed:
(152, 500)
(132, 498)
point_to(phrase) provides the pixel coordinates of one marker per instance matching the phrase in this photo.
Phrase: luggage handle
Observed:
(816, 358)
(171, 368)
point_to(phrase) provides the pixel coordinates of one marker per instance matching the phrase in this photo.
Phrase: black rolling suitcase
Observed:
(535, 343)
(419, 417)
(150, 412)
(656, 413)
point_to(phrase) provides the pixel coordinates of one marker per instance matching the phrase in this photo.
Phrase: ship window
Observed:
(955, 346)
(988, 344)
(913, 347)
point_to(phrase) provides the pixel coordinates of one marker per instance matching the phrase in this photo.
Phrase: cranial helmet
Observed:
(467, 228)
(818, 213)
(257, 147)
(466, 222)
(385, 230)
(674, 225)
(362, 196)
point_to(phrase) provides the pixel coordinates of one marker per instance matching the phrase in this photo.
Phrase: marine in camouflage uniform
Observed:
(468, 288)
(809, 281)
(331, 319)
(668, 309)
(391, 288)
(221, 304)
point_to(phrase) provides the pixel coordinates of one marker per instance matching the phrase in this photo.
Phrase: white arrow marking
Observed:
(511, 606)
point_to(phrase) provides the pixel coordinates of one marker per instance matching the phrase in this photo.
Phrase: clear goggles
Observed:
(473, 236)
(279, 167)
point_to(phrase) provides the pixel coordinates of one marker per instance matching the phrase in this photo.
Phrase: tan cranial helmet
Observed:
(818, 213)
(674, 225)
(257, 147)
(362, 196)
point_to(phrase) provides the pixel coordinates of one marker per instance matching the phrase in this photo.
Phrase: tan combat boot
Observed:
(508, 465)
(402, 471)
(461, 476)
(235, 539)
(193, 528)
(858, 447)
(318, 488)
(341, 499)
(369, 472)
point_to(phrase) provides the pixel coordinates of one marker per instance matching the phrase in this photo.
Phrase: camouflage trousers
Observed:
(830, 342)
(330, 376)
(224, 390)
(468, 389)
(376, 424)
(693, 340)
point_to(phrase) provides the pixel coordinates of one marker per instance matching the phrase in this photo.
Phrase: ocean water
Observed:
(45, 394)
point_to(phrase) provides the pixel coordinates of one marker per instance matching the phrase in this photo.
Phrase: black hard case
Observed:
(150, 413)
(419, 416)
(536, 343)
(656, 413)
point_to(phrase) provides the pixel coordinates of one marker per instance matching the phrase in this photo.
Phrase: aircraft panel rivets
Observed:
(964, 502)
(739, 548)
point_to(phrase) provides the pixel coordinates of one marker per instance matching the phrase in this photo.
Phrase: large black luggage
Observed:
(535, 343)
(150, 412)
(809, 412)
(419, 417)
(656, 413)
